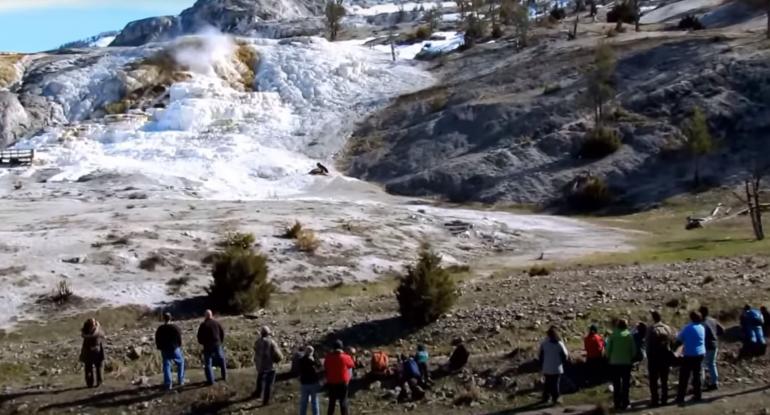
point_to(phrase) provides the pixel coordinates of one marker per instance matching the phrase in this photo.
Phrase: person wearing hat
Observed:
(168, 339)
(337, 365)
(266, 355)
(594, 347)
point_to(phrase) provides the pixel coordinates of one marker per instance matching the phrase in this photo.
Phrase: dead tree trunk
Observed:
(755, 209)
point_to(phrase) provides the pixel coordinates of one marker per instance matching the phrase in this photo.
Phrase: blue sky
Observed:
(37, 25)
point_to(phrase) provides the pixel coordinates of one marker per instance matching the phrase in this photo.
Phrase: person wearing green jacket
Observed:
(621, 350)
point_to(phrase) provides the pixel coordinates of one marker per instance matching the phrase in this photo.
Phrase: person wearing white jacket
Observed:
(553, 356)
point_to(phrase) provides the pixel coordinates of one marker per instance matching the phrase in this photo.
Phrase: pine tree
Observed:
(699, 141)
(426, 291)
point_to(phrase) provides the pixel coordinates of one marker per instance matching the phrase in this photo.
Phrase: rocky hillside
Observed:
(229, 16)
(508, 124)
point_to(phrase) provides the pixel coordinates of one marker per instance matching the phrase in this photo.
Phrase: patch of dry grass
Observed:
(307, 241)
(8, 71)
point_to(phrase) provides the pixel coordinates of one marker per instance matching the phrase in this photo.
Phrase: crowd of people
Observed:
(694, 349)
(410, 372)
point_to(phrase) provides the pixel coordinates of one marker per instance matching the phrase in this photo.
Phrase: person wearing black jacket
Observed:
(168, 339)
(211, 335)
(310, 382)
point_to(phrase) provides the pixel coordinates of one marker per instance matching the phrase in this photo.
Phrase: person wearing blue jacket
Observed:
(693, 339)
(753, 335)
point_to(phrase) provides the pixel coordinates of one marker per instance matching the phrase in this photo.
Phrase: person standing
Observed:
(621, 350)
(211, 336)
(660, 338)
(266, 355)
(693, 338)
(714, 330)
(337, 365)
(553, 355)
(310, 382)
(594, 345)
(168, 339)
(92, 352)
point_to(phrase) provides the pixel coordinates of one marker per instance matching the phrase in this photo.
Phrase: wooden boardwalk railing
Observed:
(13, 158)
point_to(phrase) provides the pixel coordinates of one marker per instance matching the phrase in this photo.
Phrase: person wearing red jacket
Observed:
(594, 347)
(338, 365)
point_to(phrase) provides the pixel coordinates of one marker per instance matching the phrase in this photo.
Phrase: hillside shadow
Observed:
(185, 309)
(371, 334)
(118, 398)
(5, 397)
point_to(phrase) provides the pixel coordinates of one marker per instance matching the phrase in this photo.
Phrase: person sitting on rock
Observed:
(409, 379)
(92, 352)
(753, 335)
(319, 170)
(459, 357)
(422, 357)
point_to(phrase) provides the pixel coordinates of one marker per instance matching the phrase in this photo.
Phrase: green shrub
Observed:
(294, 231)
(591, 195)
(538, 271)
(599, 143)
(240, 281)
(426, 291)
(238, 240)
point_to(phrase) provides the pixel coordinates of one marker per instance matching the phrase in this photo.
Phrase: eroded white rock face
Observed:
(230, 140)
(13, 118)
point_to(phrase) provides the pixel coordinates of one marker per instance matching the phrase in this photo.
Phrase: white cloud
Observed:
(15, 5)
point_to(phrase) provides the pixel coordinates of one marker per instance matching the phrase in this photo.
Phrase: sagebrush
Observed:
(307, 241)
(238, 240)
(426, 291)
(294, 231)
(592, 195)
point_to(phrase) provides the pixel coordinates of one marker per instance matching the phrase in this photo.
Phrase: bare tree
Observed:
(752, 188)
(334, 13)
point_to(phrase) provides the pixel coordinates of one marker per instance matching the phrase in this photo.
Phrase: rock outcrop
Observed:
(14, 120)
(153, 29)
(275, 19)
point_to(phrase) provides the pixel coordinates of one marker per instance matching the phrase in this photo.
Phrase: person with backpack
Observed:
(594, 345)
(422, 358)
(693, 339)
(621, 350)
(168, 340)
(379, 364)
(92, 352)
(310, 382)
(337, 365)
(410, 378)
(660, 338)
(211, 336)
(714, 330)
(766, 320)
(266, 355)
(553, 355)
(753, 335)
